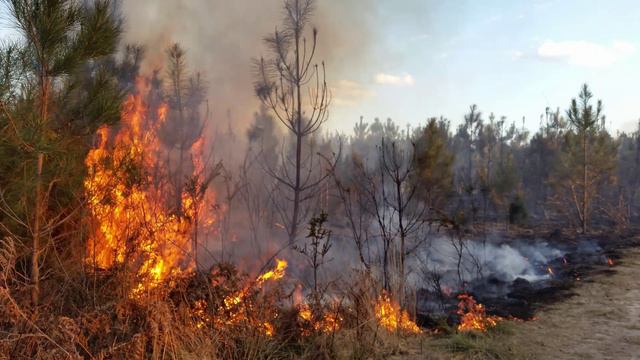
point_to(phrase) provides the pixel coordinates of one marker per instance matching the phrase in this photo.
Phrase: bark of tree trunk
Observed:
(35, 257)
(297, 188)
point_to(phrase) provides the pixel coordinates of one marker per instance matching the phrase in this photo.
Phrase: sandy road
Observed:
(602, 321)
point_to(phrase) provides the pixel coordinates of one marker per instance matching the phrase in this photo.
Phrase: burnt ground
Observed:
(597, 317)
(601, 321)
(582, 260)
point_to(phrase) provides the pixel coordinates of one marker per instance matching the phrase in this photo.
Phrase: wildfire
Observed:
(238, 310)
(392, 317)
(610, 262)
(328, 323)
(550, 270)
(275, 274)
(473, 316)
(131, 221)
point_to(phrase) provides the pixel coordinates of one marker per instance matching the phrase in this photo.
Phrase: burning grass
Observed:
(142, 295)
(392, 317)
(473, 316)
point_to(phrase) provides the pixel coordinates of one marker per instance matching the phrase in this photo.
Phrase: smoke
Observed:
(504, 262)
(222, 37)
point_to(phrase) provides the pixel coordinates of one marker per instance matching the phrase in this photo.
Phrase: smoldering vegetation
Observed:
(170, 189)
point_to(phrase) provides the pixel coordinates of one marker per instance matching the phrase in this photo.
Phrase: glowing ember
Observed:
(550, 270)
(267, 329)
(200, 313)
(133, 225)
(392, 317)
(473, 316)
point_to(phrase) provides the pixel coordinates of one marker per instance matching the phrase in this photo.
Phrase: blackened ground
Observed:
(586, 257)
(601, 320)
(595, 318)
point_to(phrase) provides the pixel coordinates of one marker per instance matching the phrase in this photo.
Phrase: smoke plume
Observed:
(222, 37)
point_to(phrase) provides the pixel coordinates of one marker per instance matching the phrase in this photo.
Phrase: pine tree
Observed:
(49, 115)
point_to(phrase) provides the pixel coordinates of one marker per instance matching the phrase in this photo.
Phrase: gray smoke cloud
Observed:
(222, 37)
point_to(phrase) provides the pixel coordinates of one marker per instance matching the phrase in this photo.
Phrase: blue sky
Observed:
(513, 58)
(429, 58)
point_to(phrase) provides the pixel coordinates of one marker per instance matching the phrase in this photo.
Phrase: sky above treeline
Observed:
(413, 59)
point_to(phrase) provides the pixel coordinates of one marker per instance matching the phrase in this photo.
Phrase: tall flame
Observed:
(132, 224)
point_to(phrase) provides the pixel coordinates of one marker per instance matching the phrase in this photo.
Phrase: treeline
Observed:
(571, 173)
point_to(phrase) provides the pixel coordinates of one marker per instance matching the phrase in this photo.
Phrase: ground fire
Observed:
(473, 316)
(392, 317)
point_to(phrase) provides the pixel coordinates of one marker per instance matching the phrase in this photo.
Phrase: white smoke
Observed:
(485, 260)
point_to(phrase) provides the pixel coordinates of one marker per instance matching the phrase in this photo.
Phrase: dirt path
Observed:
(602, 321)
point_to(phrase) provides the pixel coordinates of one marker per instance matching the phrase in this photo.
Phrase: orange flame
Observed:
(330, 322)
(275, 274)
(131, 222)
(235, 304)
(610, 262)
(473, 316)
(391, 317)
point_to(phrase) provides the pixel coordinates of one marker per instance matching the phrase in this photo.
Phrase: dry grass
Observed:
(187, 318)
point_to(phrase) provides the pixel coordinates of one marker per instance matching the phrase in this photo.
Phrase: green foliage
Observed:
(476, 345)
(582, 116)
(57, 86)
(316, 250)
(434, 163)
(587, 161)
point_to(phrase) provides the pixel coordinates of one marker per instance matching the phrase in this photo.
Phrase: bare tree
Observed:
(381, 202)
(397, 167)
(281, 81)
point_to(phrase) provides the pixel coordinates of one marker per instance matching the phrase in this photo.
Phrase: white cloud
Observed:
(516, 55)
(584, 53)
(395, 80)
(349, 93)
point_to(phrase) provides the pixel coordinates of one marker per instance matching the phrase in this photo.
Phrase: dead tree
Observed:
(397, 166)
(355, 204)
